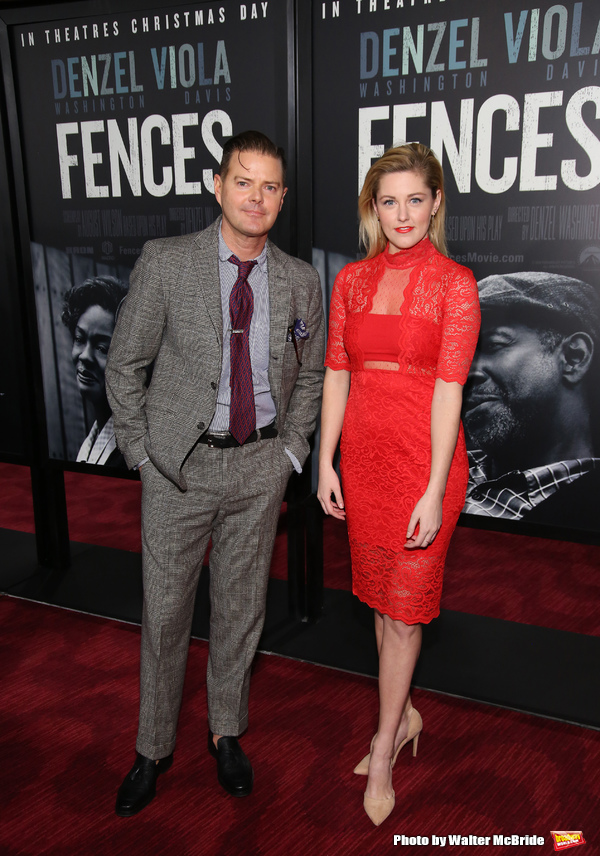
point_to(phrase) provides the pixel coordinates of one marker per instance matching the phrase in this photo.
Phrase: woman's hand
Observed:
(427, 515)
(335, 395)
(329, 492)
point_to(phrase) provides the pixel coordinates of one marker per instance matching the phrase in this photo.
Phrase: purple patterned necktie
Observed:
(242, 414)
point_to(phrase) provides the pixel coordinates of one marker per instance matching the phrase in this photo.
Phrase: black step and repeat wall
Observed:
(117, 122)
(13, 431)
(508, 97)
(13, 376)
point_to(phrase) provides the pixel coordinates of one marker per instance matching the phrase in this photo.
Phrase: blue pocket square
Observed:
(297, 330)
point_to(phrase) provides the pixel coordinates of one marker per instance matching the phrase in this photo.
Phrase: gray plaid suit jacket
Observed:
(172, 316)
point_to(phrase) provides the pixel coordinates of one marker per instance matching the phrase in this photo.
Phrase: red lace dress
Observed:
(397, 322)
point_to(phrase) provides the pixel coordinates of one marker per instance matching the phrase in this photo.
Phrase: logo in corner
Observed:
(589, 258)
(562, 840)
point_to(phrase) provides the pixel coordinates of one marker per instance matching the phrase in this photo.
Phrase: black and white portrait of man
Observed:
(531, 399)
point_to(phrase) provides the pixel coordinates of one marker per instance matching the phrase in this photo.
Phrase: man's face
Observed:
(513, 388)
(250, 195)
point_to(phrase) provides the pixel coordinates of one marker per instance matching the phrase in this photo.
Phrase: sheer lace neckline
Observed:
(405, 259)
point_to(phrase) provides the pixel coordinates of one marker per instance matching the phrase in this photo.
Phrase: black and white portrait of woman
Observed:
(89, 312)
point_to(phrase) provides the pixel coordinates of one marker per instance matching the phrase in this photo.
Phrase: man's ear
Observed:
(285, 190)
(577, 351)
(217, 186)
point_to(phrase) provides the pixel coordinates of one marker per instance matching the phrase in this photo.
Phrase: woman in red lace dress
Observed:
(403, 329)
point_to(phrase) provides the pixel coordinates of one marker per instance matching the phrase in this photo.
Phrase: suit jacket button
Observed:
(201, 425)
(214, 385)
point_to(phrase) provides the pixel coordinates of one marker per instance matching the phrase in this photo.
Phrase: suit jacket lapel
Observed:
(205, 267)
(279, 309)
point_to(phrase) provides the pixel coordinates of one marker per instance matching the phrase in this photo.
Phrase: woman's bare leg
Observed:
(399, 645)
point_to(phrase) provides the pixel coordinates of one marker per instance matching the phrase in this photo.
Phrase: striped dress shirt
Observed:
(259, 340)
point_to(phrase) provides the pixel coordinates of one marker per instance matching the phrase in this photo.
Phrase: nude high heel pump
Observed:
(415, 726)
(379, 809)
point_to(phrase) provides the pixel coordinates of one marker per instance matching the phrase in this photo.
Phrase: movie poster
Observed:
(508, 97)
(122, 118)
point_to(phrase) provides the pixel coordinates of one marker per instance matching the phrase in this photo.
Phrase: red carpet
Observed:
(536, 581)
(68, 714)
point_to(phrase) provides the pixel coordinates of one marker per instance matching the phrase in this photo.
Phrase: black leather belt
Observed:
(225, 440)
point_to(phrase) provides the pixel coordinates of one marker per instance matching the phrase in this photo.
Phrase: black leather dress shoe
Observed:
(139, 786)
(234, 770)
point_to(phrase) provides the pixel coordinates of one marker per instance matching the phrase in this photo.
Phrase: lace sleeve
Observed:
(337, 357)
(461, 323)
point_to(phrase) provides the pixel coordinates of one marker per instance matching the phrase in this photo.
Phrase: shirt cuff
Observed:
(294, 460)
(143, 461)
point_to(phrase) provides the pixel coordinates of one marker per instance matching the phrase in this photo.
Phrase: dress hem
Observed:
(387, 612)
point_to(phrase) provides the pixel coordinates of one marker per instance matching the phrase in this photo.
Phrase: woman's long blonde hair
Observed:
(410, 157)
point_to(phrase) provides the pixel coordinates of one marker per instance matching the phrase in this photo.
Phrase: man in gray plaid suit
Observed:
(198, 479)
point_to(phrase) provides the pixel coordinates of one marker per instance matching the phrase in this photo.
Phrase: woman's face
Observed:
(404, 205)
(90, 348)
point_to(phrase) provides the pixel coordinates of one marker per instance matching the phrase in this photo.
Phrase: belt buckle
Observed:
(217, 439)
